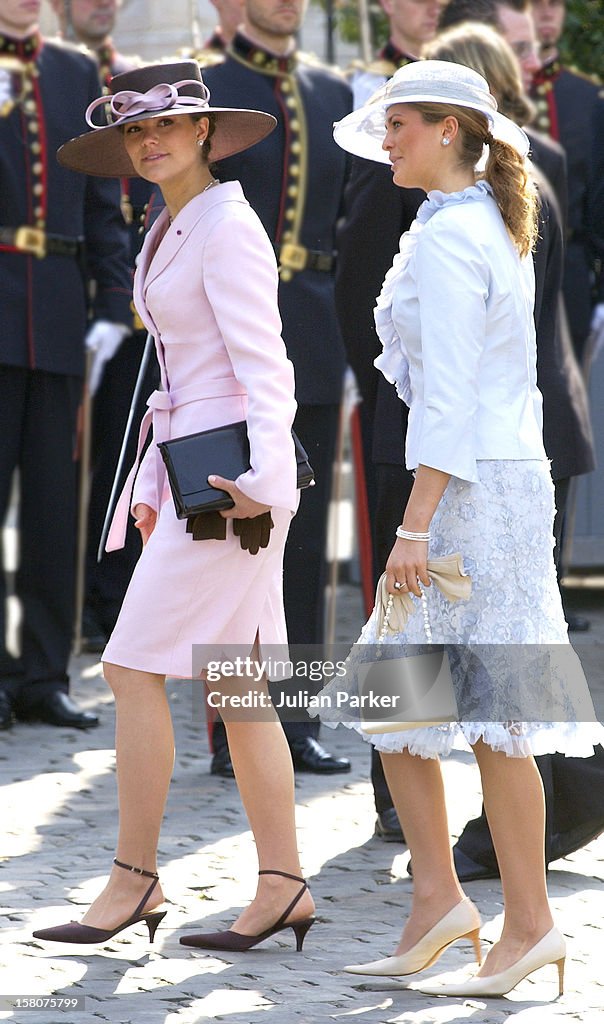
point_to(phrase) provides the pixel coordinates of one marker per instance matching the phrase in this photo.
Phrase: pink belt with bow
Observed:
(160, 405)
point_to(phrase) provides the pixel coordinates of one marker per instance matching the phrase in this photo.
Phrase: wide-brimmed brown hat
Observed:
(148, 92)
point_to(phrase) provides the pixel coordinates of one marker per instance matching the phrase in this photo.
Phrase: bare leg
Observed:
(416, 786)
(515, 808)
(265, 777)
(144, 742)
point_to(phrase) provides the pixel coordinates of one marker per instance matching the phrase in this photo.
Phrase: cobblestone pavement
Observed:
(59, 818)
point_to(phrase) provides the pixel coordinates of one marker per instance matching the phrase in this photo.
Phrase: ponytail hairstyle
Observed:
(506, 172)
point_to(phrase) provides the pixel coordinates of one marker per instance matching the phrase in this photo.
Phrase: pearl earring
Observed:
(446, 141)
(200, 142)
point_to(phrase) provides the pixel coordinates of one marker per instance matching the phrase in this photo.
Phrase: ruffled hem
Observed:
(523, 739)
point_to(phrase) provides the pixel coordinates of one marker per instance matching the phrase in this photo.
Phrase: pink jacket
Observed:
(206, 288)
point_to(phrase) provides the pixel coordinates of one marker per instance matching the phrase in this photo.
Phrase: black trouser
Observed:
(305, 564)
(38, 413)
(107, 581)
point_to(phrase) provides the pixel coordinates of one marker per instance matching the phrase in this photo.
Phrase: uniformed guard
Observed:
(412, 23)
(57, 231)
(569, 105)
(295, 182)
(92, 22)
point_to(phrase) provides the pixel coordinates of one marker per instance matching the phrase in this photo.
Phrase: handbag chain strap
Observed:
(425, 613)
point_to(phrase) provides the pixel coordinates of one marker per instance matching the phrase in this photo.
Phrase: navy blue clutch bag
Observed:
(223, 450)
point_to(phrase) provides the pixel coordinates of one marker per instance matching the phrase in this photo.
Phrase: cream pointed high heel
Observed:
(462, 922)
(551, 949)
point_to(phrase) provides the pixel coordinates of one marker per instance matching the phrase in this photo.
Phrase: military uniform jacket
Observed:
(568, 108)
(140, 201)
(44, 304)
(294, 180)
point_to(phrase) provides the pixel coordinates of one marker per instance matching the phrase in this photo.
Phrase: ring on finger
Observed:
(399, 586)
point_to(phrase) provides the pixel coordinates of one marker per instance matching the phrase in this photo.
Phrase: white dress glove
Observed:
(7, 100)
(597, 330)
(103, 338)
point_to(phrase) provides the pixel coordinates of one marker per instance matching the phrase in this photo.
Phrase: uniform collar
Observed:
(391, 53)
(549, 71)
(259, 58)
(22, 49)
(106, 58)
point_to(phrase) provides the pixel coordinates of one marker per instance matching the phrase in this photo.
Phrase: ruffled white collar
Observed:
(438, 200)
(392, 361)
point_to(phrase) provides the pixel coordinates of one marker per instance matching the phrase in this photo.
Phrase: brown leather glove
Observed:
(207, 526)
(254, 533)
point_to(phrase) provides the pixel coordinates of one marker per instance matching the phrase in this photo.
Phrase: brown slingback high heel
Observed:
(235, 942)
(84, 933)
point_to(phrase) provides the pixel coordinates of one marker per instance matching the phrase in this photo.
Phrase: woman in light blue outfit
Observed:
(455, 317)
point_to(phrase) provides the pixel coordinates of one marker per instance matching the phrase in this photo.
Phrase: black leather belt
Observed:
(37, 242)
(298, 257)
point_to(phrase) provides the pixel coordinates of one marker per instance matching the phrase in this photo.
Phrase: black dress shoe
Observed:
(388, 827)
(309, 756)
(7, 715)
(222, 764)
(58, 709)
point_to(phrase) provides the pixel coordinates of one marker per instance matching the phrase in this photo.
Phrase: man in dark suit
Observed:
(568, 106)
(58, 232)
(376, 215)
(294, 180)
(411, 24)
(92, 22)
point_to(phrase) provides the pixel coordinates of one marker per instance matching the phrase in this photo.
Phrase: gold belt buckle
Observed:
(293, 256)
(31, 240)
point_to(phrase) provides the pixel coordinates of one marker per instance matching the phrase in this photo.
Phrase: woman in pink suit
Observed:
(206, 287)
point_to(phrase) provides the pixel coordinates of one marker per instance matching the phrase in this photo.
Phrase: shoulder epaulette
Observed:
(70, 47)
(209, 58)
(591, 78)
(310, 58)
(381, 67)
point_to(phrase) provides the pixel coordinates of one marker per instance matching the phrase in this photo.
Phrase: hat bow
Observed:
(129, 103)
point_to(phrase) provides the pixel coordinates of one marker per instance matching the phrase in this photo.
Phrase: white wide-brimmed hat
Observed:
(147, 92)
(424, 81)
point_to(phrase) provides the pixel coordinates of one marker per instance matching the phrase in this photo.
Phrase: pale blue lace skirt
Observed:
(503, 527)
